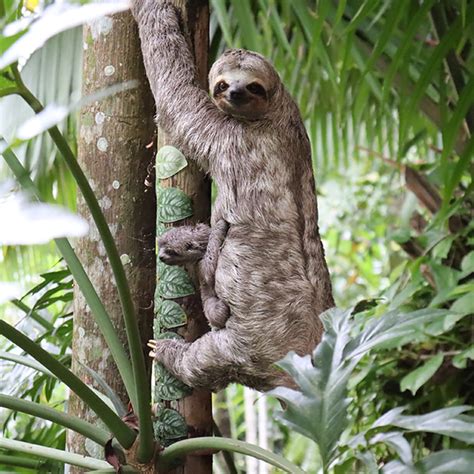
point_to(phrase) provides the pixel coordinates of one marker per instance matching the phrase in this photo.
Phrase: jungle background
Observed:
(386, 90)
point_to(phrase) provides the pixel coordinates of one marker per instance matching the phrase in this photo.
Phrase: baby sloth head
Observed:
(242, 84)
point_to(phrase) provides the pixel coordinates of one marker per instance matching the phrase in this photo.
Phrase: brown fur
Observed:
(271, 270)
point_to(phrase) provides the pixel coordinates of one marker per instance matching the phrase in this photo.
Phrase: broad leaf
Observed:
(464, 305)
(170, 314)
(26, 223)
(168, 335)
(173, 205)
(392, 329)
(397, 441)
(447, 421)
(418, 377)
(51, 115)
(174, 282)
(160, 229)
(9, 291)
(170, 425)
(448, 461)
(460, 360)
(319, 410)
(169, 160)
(169, 387)
(54, 114)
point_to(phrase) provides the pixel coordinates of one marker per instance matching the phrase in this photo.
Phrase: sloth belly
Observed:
(261, 276)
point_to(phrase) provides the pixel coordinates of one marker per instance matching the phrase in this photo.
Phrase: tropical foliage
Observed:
(386, 89)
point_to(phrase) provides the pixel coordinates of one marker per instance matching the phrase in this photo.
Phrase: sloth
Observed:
(267, 267)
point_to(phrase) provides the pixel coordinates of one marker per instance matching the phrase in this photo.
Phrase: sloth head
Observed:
(242, 84)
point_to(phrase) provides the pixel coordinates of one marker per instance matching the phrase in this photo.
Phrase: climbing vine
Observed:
(173, 282)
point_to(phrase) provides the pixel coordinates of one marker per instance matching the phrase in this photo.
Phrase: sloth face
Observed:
(240, 93)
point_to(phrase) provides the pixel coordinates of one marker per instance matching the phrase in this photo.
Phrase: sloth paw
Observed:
(216, 312)
(165, 350)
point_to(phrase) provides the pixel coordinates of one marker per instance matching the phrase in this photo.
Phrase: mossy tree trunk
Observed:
(196, 408)
(113, 135)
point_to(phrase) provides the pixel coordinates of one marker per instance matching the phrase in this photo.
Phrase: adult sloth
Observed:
(270, 271)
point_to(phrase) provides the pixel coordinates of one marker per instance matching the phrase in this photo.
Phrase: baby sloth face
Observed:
(241, 94)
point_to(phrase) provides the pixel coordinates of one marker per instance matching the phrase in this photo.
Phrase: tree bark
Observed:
(196, 408)
(113, 134)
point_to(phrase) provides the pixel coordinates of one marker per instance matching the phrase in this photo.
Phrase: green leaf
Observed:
(393, 329)
(7, 86)
(418, 377)
(464, 305)
(170, 425)
(447, 421)
(169, 160)
(448, 461)
(174, 282)
(160, 229)
(467, 264)
(169, 387)
(173, 205)
(441, 326)
(319, 409)
(460, 360)
(170, 314)
(397, 441)
(168, 335)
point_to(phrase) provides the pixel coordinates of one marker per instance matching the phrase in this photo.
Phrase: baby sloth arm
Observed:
(184, 110)
(199, 244)
(216, 311)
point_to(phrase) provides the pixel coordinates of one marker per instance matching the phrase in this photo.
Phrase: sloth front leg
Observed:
(210, 362)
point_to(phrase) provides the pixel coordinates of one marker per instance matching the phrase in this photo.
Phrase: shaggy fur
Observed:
(271, 270)
(198, 244)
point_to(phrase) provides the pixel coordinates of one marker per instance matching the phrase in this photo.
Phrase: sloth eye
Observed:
(256, 88)
(222, 86)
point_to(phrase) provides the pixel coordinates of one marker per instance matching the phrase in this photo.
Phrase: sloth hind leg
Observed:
(211, 361)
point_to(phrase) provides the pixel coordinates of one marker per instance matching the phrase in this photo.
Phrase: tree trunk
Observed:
(113, 134)
(196, 408)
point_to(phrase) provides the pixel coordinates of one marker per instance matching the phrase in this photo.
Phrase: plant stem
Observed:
(19, 461)
(34, 315)
(95, 304)
(121, 431)
(181, 448)
(142, 399)
(228, 458)
(46, 413)
(53, 454)
(26, 361)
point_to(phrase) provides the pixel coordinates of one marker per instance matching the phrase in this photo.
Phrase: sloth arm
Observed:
(184, 110)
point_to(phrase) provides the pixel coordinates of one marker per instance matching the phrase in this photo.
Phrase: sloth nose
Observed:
(237, 94)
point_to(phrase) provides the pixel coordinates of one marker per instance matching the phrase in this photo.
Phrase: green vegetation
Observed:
(386, 89)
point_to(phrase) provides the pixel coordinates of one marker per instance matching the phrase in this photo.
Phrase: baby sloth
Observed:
(266, 264)
(199, 245)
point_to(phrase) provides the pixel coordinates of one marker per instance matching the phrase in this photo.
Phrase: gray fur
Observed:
(198, 244)
(271, 270)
